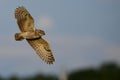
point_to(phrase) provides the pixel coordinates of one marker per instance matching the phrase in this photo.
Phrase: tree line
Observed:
(107, 71)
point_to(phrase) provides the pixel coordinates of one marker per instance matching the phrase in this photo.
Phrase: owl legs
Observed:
(29, 35)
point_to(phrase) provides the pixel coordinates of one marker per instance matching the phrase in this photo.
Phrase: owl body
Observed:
(32, 35)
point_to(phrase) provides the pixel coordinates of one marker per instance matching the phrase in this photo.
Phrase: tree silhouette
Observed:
(108, 71)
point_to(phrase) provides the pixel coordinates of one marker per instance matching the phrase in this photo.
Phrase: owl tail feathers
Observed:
(18, 37)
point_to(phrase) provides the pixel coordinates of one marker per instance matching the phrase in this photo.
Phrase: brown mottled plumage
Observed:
(32, 35)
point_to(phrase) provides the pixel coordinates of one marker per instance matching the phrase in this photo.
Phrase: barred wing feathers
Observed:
(42, 48)
(22, 15)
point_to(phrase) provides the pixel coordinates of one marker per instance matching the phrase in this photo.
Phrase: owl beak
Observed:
(42, 32)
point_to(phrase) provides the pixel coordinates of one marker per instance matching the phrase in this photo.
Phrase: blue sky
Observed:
(82, 33)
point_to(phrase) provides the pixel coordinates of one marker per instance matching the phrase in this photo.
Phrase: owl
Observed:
(32, 35)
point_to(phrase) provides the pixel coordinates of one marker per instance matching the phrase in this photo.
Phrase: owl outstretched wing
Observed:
(42, 48)
(24, 20)
(26, 24)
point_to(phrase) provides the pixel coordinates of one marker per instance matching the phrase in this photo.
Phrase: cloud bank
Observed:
(45, 22)
(71, 52)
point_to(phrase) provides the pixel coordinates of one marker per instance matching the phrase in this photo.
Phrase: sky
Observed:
(81, 33)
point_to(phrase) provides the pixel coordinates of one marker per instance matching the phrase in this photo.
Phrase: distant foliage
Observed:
(108, 71)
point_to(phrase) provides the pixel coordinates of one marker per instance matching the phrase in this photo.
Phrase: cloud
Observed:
(78, 52)
(45, 22)
(112, 52)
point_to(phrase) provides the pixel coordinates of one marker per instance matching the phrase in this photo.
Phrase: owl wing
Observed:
(41, 46)
(23, 16)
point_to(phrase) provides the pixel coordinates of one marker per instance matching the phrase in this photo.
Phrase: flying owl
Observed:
(32, 35)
